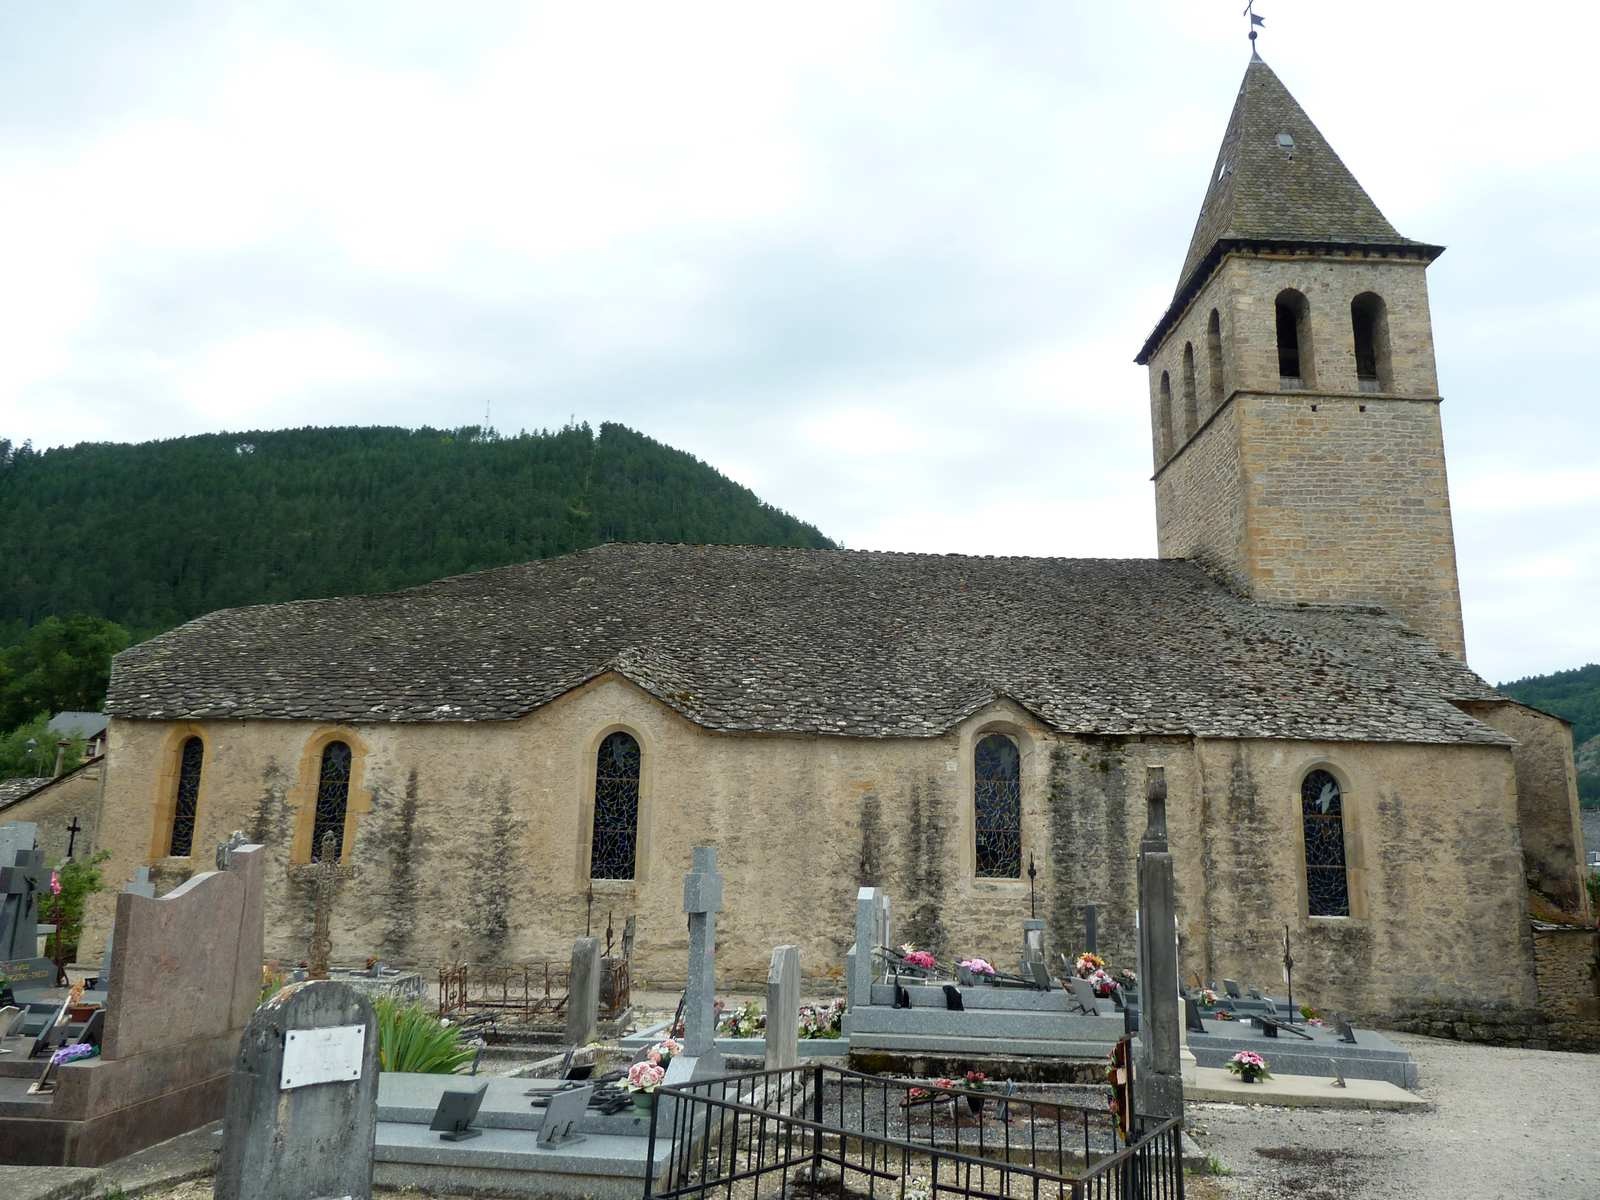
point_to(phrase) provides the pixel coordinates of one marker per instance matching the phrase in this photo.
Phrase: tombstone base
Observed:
(1157, 1095)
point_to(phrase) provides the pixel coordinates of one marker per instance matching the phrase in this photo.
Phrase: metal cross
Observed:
(325, 875)
(1032, 871)
(1288, 972)
(73, 830)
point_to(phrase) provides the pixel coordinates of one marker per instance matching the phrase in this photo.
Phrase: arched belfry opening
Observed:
(1164, 438)
(1294, 340)
(1369, 328)
(1191, 405)
(1214, 359)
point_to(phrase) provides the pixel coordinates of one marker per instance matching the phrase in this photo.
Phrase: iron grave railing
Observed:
(784, 1129)
(530, 990)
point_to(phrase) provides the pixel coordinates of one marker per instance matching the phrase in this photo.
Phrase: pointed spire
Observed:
(1277, 179)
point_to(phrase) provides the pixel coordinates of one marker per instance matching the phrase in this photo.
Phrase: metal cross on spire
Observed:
(1250, 11)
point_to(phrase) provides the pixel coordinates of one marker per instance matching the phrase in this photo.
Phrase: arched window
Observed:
(187, 803)
(997, 806)
(1294, 339)
(1191, 406)
(1369, 325)
(333, 799)
(616, 808)
(1322, 812)
(1164, 438)
(1214, 358)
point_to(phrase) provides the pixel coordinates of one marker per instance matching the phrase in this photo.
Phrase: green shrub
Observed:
(1593, 884)
(410, 1038)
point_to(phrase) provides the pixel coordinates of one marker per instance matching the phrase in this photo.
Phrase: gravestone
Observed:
(1032, 945)
(783, 1009)
(1091, 918)
(872, 933)
(1159, 1078)
(302, 1110)
(139, 885)
(24, 881)
(702, 901)
(583, 992)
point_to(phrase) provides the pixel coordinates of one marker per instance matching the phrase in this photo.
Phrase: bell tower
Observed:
(1294, 405)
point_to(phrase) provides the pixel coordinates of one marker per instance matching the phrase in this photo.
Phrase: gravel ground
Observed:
(1513, 1123)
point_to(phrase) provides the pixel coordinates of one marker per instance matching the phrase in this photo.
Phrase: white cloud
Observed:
(887, 264)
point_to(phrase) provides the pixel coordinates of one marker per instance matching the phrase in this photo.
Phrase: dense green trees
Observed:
(58, 664)
(153, 534)
(1574, 695)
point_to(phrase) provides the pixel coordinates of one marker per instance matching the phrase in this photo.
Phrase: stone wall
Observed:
(471, 842)
(75, 795)
(1566, 1017)
(1323, 494)
(1547, 800)
(1435, 875)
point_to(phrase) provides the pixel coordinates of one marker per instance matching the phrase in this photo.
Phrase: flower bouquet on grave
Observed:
(664, 1052)
(1128, 981)
(1248, 1066)
(981, 969)
(922, 960)
(643, 1080)
(1102, 983)
(1208, 997)
(1088, 963)
(823, 1020)
(976, 1081)
(746, 1021)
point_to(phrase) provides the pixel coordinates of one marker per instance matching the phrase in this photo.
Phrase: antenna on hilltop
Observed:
(1250, 11)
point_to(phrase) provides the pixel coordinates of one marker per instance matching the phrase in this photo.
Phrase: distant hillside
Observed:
(152, 534)
(1574, 695)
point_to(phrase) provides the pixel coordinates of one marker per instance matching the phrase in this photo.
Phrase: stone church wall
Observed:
(74, 796)
(1547, 800)
(1437, 903)
(471, 842)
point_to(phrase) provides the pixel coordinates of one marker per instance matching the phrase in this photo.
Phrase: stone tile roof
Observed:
(853, 643)
(12, 790)
(1261, 193)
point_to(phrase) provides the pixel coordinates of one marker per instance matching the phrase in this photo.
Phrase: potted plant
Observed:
(976, 1081)
(1249, 1066)
(981, 969)
(643, 1080)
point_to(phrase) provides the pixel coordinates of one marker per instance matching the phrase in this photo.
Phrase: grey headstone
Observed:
(869, 924)
(1083, 993)
(1191, 1016)
(583, 992)
(1090, 930)
(783, 1009)
(313, 1140)
(1231, 986)
(23, 878)
(1346, 1033)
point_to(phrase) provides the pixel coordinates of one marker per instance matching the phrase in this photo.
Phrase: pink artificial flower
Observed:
(55, 884)
(645, 1077)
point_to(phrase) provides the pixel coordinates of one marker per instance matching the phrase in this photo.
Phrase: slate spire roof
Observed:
(746, 639)
(1265, 193)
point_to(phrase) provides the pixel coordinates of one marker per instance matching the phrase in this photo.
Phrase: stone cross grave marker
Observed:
(783, 1009)
(302, 1110)
(702, 901)
(24, 880)
(1158, 1080)
(583, 992)
(325, 875)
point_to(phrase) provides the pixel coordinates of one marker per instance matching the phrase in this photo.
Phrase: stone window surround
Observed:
(585, 838)
(166, 805)
(1354, 860)
(302, 798)
(1029, 784)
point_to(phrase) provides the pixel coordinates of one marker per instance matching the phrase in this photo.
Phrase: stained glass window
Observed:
(997, 805)
(616, 808)
(333, 799)
(188, 799)
(1322, 810)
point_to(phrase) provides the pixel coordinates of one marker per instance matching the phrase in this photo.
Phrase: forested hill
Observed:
(152, 534)
(1574, 695)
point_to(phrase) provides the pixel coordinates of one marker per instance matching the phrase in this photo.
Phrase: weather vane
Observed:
(1250, 11)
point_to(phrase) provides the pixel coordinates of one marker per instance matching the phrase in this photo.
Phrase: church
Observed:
(505, 760)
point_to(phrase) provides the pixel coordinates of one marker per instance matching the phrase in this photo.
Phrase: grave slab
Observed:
(1216, 1085)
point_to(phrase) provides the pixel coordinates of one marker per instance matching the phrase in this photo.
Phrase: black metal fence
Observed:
(530, 990)
(818, 1128)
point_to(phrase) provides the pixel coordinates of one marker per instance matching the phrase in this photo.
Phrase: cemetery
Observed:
(1043, 1073)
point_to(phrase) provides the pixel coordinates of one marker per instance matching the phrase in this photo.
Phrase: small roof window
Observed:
(1286, 143)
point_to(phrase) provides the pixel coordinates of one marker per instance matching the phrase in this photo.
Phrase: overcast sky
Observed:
(888, 265)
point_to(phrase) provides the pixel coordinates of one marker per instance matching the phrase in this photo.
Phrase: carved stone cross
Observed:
(325, 875)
